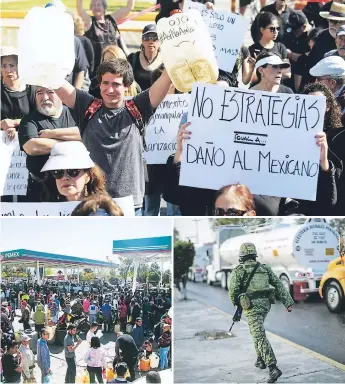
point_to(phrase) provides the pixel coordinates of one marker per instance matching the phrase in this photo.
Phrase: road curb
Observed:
(308, 351)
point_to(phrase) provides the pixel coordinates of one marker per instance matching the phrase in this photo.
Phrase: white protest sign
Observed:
(13, 171)
(189, 4)
(264, 140)
(58, 209)
(227, 31)
(163, 127)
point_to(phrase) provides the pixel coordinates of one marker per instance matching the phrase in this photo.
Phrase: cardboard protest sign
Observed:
(264, 140)
(163, 127)
(227, 31)
(58, 209)
(13, 171)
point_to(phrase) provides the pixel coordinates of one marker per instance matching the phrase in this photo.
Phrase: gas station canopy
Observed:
(30, 258)
(145, 249)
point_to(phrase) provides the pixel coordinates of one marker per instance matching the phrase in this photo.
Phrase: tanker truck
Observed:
(298, 254)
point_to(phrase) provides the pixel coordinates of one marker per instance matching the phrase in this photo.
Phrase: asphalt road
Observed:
(310, 324)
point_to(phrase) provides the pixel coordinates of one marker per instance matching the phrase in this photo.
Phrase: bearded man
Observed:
(39, 131)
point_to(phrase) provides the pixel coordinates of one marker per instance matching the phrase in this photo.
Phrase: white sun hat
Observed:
(333, 66)
(272, 60)
(68, 155)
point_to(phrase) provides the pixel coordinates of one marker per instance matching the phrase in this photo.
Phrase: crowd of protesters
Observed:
(140, 321)
(292, 52)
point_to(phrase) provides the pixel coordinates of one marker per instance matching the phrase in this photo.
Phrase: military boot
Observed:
(274, 373)
(260, 363)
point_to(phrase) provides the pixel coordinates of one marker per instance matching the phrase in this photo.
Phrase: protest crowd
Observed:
(65, 313)
(85, 136)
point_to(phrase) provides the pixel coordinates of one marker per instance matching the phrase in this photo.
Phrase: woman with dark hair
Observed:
(234, 200)
(76, 176)
(101, 28)
(95, 359)
(148, 59)
(264, 33)
(335, 133)
(269, 72)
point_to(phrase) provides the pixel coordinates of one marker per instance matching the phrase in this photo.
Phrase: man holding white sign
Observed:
(249, 141)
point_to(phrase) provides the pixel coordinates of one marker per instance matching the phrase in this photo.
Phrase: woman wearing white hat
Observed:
(269, 71)
(17, 99)
(76, 175)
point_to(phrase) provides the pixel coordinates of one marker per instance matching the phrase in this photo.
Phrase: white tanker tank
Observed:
(298, 254)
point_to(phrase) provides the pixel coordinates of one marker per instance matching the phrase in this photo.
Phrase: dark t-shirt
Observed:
(80, 63)
(323, 44)
(90, 54)
(15, 105)
(115, 144)
(9, 366)
(142, 76)
(101, 35)
(278, 48)
(127, 346)
(36, 122)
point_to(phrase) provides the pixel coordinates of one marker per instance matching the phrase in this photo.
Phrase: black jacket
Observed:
(200, 202)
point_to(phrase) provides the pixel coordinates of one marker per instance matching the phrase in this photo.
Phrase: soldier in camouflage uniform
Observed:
(256, 303)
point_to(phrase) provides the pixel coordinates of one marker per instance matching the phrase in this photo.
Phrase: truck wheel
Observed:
(209, 282)
(224, 280)
(193, 277)
(334, 297)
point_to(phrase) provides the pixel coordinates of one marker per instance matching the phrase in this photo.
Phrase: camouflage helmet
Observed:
(247, 252)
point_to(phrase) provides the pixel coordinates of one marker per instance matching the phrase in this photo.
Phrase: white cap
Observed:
(272, 60)
(25, 337)
(329, 66)
(68, 155)
(7, 50)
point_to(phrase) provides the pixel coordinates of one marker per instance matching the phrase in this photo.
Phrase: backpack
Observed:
(131, 108)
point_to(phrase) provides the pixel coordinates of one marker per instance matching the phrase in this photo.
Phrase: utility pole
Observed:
(196, 221)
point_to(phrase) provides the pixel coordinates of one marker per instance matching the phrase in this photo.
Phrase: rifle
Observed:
(238, 313)
(237, 316)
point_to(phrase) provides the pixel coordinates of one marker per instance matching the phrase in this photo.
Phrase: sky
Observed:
(187, 229)
(91, 238)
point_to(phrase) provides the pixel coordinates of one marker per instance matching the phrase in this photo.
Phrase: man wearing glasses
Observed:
(43, 354)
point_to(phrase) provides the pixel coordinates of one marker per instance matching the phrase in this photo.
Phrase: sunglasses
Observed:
(59, 174)
(273, 29)
(277, 66)
(148, 38)
(229, 212)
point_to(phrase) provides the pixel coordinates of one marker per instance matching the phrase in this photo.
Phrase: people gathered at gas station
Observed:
(137, 321)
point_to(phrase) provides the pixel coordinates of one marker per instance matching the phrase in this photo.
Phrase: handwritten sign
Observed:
(186, 49)
(227, 31)
(264, 140)
(189, 4)
(13, 171)
(58, 209)
(163, 127)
